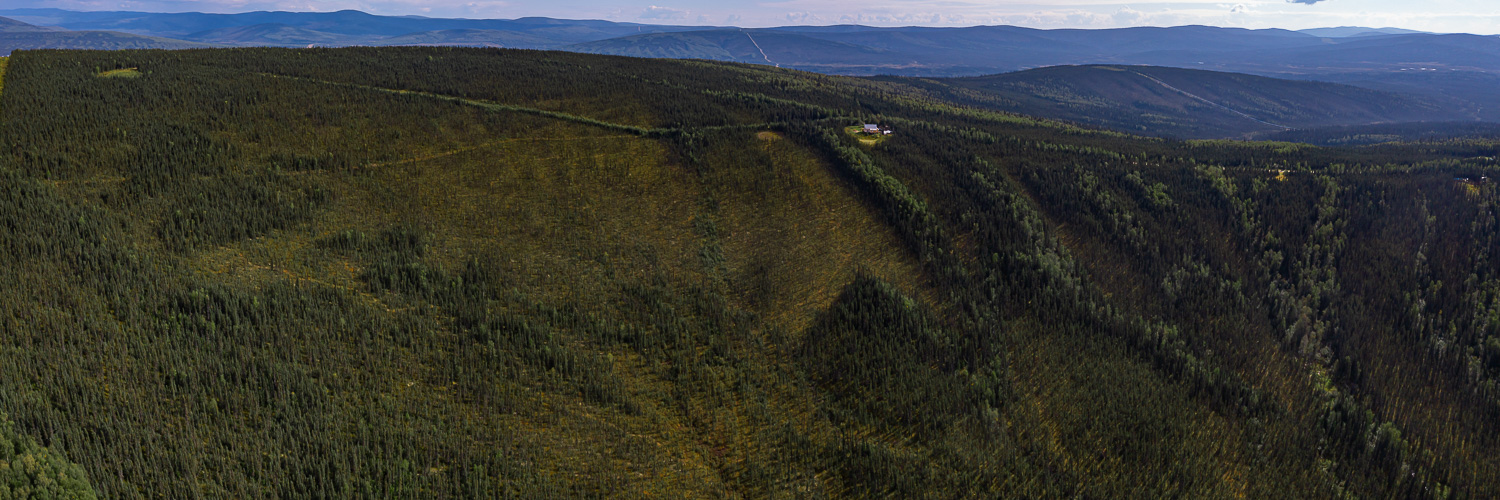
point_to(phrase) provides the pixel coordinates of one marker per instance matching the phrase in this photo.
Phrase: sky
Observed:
(1448, 16)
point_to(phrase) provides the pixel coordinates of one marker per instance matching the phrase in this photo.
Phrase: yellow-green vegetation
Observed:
(28, 470)
(440, 273)
(1280, 148)
(121, 73)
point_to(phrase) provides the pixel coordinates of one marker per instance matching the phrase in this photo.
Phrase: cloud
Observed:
(802, 17)
(663, 13)
(1239, 8)
(1304, 2)
(1127, 16)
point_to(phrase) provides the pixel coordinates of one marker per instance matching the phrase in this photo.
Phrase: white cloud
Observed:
(1128, 16)
(656, 13)
(802, 18)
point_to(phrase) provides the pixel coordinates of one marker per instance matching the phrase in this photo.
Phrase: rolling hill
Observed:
(1347, 31)
(750, 46)
(8, 25)
(1455, 71)
(1426, 132)
(470, 273)
(469, 38)
(909, 51)
(89, 40)
(1182, 102)
(16, 35)
(357, 26)
(918, 51)
(272, 34)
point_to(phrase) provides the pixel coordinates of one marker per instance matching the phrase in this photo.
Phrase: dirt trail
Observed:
(1210, 103)
(757, 47)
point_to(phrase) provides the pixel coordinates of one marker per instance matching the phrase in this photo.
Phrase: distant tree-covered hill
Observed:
(472, 38)
(88, 40)
(856, 50)
(16, 35)
(1456, 72)
(1181, 102)
(8, 25)
(275, 35)
(750, 46)
(346, 27)
(1359, 135)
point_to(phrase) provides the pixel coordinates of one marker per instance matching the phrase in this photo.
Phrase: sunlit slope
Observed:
(328, 227)
(475, 273)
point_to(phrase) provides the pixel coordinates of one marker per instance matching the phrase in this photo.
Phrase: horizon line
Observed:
(729, 26)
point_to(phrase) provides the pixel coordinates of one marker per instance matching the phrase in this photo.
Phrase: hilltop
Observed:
(8, 25)
(443, 272)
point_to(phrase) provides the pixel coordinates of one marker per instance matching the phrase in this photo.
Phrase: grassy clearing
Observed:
(121, 73)
(864, 138)
(823, 234)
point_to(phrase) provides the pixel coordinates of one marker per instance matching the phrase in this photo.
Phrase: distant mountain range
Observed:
(17, 35)
(997, 49)
(848, 49)
(347, 27)
(1403, 75)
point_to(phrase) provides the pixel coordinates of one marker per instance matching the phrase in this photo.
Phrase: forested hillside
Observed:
(473, 273)
(1184, 103)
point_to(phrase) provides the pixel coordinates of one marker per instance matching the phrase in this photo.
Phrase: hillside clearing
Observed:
(121, 73)
(864, 138)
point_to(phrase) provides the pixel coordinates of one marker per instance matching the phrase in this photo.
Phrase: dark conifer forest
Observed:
(487, 273)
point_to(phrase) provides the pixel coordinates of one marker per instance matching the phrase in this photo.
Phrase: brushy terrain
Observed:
(461, 273)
